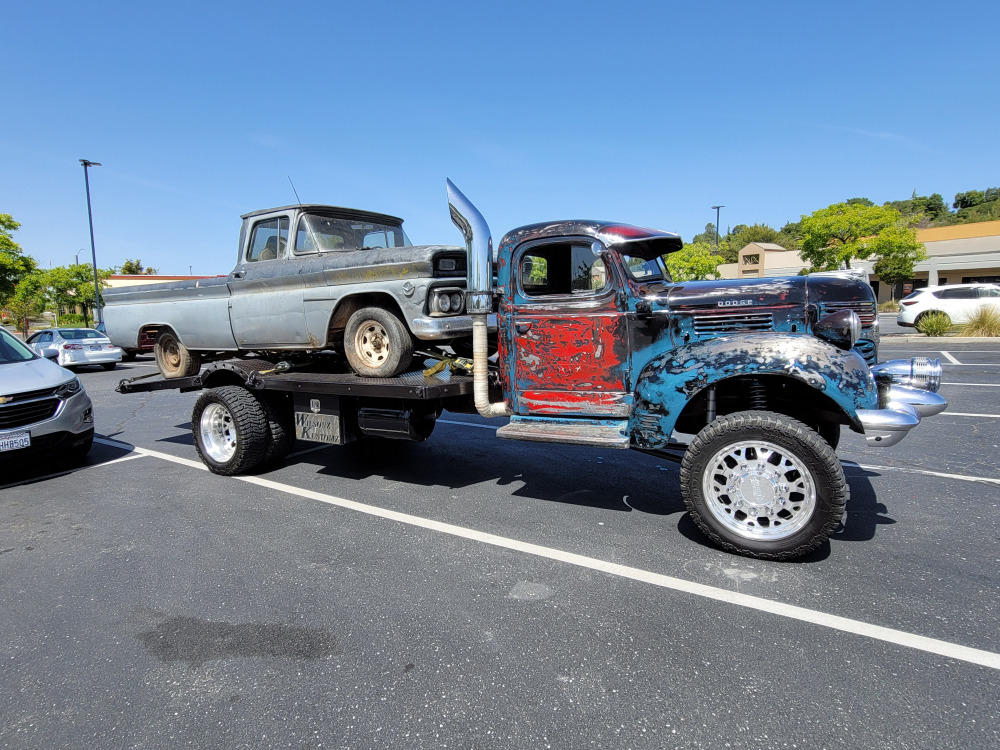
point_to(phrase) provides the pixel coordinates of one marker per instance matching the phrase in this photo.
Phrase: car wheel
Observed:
(377, 343)
(763, 485)
(109, 365)
(173, 359)
(128, 355)
(230, 430)
(79, 451)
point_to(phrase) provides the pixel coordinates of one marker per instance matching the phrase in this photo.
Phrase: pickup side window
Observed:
(562, 269)
(268, 240)
(317, 233)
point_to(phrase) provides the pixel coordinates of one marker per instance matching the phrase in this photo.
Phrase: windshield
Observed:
(646, 270)
(325, 233)
(80, 333)
(12, 350)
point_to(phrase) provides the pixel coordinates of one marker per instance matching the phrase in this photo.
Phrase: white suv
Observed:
(958, 301)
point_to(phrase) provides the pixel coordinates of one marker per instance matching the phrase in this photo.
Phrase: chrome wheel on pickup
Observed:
(231, 431)
(763, 485)
(377, 343)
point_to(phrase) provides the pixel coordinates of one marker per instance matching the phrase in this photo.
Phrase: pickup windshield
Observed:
(646, 270)
(318, 233)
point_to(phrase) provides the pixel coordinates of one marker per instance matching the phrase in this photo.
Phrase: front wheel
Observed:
(173, 359)
(377, 343)
(231, 431)
(763, 485)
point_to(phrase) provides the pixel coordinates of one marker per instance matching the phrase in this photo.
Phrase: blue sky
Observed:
(642, 112)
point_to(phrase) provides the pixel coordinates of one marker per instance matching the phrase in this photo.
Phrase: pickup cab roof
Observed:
(335, 211)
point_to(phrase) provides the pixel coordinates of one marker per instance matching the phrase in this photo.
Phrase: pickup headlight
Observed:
(918, 372)
(842, 328)
(447, 301)
(69, 388)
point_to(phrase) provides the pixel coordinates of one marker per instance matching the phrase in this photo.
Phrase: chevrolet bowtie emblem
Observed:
(5, 399)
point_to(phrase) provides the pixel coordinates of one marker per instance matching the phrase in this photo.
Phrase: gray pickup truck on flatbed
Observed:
(307, 278)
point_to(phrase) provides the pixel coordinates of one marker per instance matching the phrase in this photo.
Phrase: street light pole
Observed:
(93, 249)
(717, 225)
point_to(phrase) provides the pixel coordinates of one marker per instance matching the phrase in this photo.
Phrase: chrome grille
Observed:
(865, 310)
(866, 349)
(709, 323)
(21, 413)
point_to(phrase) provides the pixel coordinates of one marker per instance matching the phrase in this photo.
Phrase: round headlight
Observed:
(444, 302)
(456, 301)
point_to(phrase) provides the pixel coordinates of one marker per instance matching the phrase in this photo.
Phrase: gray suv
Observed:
(42, 406)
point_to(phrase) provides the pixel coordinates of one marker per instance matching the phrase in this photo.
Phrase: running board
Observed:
(609, 433)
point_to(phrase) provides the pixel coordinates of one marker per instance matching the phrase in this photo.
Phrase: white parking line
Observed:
(926, 473)
(935, 646)
(951, 358)
(965, 414)
(978, 385)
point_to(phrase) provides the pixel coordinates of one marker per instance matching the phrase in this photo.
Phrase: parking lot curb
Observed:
(910, 338)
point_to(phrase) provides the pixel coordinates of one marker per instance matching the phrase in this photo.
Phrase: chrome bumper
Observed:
(905, 406)
(455, 326)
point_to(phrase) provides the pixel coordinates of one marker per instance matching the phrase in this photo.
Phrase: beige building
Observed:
(955, 255)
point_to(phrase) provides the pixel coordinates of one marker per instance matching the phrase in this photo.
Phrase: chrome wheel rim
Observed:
(372, 343)
(218, 433)
(759, 490)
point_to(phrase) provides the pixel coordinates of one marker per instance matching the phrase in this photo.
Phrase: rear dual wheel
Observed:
(763, 485)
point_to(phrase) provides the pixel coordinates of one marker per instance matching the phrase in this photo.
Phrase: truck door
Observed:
(567, 328)
(265, 307)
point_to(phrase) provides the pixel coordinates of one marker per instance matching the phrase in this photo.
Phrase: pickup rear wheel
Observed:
(763, 485)
(230, 429)
(377, 343)
(173, 358)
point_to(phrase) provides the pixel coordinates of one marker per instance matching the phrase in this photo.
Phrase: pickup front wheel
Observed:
(377, 343)
(173, 358)
(763, 485)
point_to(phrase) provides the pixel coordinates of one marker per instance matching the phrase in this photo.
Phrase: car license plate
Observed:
(14, 441)
(96, 347)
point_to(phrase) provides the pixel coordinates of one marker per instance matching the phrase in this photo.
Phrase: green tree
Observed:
(707, 236)
(696, 261)
(897, 252)
(14, 264)
(28, 300)
(74, 285)
(832, 237)
(135, 267)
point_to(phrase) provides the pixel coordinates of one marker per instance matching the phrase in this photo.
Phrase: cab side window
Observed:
(268, 240)
(562, 269)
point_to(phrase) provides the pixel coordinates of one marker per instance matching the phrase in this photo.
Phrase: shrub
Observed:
(71, 319)
(934, 324)
(985, 322)
(889, 306)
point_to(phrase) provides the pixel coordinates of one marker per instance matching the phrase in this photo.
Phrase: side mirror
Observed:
(51, 354)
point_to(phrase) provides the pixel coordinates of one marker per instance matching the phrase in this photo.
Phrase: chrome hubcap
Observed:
(218, 433)
(759, 490)
(372, 343)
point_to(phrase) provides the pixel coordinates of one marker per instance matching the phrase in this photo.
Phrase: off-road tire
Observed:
(280, 417)
(784, 446)
(173, 359)
(231, 431)
(377, 343)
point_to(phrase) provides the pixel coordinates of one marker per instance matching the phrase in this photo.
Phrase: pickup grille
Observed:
(865, 310)
(866, 349)
(710, 323)
(21, 413)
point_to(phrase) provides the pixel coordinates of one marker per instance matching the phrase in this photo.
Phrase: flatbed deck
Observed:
(312, 377)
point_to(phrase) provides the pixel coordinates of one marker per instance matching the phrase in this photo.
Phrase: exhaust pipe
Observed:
(478, 295)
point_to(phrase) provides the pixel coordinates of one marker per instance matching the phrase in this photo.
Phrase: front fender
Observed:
(667, 382)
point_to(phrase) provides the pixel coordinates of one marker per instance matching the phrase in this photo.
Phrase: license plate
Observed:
(96, 347)
(323, 428)
(14, 441)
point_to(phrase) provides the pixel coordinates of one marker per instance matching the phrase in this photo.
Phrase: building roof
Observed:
(959, 231)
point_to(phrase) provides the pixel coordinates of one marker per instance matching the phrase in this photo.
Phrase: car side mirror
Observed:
(52, 354)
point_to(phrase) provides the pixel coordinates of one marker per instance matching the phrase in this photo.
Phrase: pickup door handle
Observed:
(522, 327)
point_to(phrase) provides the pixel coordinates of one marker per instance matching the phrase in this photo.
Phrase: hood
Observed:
(31, 375)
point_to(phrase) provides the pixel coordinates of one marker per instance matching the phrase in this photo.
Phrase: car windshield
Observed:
(12, 350)
(646, 270)
(325, 233)
(79, 333)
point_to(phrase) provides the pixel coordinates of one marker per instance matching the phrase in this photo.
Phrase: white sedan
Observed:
(76, 347)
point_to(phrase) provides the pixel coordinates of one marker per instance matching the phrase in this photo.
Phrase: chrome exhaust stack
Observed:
(478, 294)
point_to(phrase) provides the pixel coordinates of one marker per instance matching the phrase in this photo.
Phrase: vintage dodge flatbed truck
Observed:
(307, 278)
(745, 383)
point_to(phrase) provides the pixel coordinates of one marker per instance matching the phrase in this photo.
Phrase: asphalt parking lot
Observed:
(468, 592)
